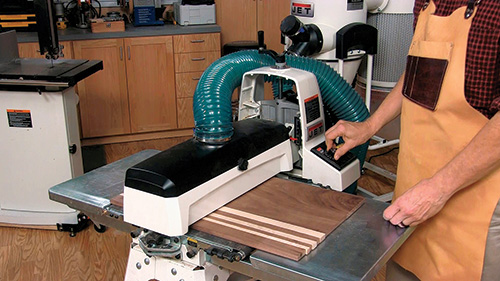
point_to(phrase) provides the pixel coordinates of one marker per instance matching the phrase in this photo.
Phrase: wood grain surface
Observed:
(282, 217)
(186, 82)
(30, 254)
(185, 116)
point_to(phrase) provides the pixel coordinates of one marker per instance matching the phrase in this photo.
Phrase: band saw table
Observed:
(356, 250)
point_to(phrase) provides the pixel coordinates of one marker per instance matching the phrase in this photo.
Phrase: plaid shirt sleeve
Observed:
(482, 66)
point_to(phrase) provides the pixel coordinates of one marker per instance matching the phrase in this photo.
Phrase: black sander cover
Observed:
(189, 164)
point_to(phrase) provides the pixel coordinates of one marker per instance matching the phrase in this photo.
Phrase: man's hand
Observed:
(353, 134)
(417, 204)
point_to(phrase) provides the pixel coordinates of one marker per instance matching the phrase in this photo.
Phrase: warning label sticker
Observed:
(19, 118)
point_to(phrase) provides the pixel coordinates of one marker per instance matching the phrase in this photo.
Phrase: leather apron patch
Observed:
(424, 74)
(423, 80)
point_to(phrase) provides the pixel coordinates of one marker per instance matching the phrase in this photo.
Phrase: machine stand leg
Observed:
(83, 222)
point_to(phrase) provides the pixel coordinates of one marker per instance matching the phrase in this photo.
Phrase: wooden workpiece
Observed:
(283, 217)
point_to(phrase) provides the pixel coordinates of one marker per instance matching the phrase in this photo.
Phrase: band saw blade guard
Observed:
(307, 123)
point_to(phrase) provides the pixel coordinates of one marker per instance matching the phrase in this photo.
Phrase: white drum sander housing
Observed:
(306, 119)
(175, 188)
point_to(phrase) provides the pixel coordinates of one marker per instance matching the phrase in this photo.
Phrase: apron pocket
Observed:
(423, 80)
(425, 69)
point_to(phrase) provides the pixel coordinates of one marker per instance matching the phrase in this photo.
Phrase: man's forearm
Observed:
(389, 109)
(476, 160)
(425, 199)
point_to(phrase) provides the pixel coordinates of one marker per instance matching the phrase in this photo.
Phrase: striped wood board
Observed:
(282, 217)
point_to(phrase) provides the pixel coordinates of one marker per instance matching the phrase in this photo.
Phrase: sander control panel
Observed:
(327, 156)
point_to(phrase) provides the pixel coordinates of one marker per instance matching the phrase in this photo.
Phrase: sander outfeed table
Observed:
(355, 250)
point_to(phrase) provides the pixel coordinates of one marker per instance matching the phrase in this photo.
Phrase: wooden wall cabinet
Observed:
(135, 91)
(193, 54)
(104, 105)
(145, 86)
(242, 19)
(151, 84)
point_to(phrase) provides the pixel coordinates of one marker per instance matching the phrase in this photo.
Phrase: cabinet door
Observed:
(237, 19)
(31, 50)
(270, 14)
(103, 96)
(151, 83)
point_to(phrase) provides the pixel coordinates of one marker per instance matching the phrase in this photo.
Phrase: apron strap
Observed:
(470, 7)
(426, 4)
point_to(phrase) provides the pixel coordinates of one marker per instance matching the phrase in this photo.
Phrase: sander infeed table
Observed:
(356, 250)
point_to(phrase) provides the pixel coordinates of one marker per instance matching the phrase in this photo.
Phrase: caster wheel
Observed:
(100, 228)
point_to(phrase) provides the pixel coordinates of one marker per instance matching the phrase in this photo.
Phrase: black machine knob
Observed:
(290, 25)
(242, 164)
(307, 39)
(72, 149)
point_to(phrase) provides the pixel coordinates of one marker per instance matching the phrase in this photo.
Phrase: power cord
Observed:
(381, 154)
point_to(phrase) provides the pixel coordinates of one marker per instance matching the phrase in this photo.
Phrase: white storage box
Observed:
(194, 14)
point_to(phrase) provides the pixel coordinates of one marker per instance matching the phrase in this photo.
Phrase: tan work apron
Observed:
(450, 245)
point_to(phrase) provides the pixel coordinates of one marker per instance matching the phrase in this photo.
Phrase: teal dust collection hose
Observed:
(212, 98)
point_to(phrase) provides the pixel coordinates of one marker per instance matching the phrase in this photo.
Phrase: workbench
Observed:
(356, 250)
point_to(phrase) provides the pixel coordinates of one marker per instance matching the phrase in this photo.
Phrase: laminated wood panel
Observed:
(283, 217)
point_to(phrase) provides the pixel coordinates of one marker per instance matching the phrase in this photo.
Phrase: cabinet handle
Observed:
(128, 52)
(121, 53)
(197, 59)
(196, 78)
(197, 41)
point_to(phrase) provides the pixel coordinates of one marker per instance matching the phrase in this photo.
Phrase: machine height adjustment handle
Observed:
(260, 38)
